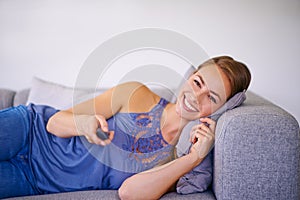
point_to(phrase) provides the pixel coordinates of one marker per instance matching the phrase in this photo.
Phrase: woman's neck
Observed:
(172, 124)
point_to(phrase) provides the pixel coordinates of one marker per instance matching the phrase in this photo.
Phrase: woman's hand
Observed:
(87, 126)
(202, 136)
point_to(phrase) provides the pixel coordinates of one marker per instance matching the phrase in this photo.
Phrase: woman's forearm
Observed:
(154, 183)
(67, 124)
(62, 124)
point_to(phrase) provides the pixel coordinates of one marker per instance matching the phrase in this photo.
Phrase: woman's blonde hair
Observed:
(237, 73)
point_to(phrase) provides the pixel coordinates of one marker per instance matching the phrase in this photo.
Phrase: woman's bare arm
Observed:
(86, 117)
(154, 183)
(82, 117)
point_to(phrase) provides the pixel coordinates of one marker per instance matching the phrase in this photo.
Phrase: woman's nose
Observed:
(199, 95)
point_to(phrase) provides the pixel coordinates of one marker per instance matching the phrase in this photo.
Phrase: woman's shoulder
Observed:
(128, 89)
(130, 85)
(133, 88)
(138, 97)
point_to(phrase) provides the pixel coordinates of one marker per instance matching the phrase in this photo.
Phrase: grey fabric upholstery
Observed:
(21, 97)
(256, 154)
(6, 98)
(112, 195)
(9, 98)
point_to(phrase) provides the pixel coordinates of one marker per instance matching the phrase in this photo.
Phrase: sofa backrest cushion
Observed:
(6, 98)
(63, 97)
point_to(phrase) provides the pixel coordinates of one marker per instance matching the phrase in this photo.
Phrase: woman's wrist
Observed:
(85, 124)
(194, 158)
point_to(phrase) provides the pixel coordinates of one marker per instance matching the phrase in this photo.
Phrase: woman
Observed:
(45, 151)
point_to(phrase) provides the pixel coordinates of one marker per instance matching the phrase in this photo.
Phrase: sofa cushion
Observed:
(197, 180)
(21, 97)
(62, 97)
(6, 98)
(112, 195)
(57, 95)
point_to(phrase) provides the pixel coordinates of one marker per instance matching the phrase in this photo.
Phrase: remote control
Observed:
(102, 135)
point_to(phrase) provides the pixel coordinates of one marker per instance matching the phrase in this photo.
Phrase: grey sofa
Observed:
(256, 154)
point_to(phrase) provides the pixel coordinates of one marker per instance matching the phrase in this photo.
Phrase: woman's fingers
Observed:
(93, 138)
(104, 127)
(209, 122)
(207, 125)
(203, 136)
(203, 143)
(111, 135)
(197, 135)
(103, 123)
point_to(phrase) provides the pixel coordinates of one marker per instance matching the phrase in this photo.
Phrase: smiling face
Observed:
(204, 92)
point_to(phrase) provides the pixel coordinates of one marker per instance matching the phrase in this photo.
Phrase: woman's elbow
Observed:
(124, 193)
(129, 190)
(135, 192)
(49, 126)
(53, 126)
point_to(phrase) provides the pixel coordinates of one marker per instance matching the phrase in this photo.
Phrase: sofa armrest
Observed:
(6, 98)
(257, 153)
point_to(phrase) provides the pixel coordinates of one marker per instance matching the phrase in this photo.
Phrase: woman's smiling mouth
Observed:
(187, 106)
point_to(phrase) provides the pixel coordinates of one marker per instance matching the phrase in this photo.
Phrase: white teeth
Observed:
(189, 105)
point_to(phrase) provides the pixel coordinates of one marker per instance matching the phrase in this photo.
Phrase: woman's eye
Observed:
(197, 83)
(211, 98)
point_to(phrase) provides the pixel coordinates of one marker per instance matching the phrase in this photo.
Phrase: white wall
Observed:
(51, 38)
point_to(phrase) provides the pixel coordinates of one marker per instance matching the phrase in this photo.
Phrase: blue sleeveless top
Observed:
(70, 164)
